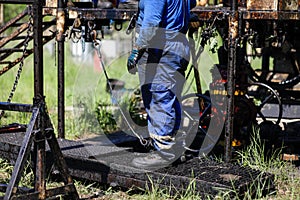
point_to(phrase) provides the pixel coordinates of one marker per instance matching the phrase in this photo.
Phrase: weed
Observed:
(106, 118)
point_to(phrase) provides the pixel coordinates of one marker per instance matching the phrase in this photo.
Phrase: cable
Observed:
(97, 46)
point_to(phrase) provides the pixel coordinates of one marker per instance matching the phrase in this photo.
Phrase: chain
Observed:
(17, 78)
(146, 143)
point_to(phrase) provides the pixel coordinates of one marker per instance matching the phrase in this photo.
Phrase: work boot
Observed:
(128, 4)
(150, 162)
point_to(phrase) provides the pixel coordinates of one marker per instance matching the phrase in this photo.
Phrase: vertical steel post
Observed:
(61, 74)
(232, 44)
(38, 50)
(40, 183)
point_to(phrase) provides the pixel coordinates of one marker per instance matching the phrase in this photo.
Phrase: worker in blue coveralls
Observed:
(161, 53)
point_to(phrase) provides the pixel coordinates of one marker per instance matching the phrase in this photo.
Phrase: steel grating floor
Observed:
(109, 164)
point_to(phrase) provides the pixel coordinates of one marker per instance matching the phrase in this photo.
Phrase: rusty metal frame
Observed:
(234, 16)
(37, 135)
(39, 129)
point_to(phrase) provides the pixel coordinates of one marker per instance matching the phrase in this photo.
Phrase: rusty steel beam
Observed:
(60, 38)
(38, 50)
(16, 107)
(20, 30)
(10, 50)
(18, 60)
(97, 13)
(16, 38)
(271, 15)
(233, 24)
(61, 191)
(11, 64)
(40, 159)
(15, 62)
(39, 145)
(206, 13)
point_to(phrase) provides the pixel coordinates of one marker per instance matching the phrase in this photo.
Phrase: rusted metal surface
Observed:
(63, 190)
(11, 64)
(38, 68)
(50, 7)
(96, 13)
(233, 34)
(40, 160)
(20, 30)
(206, 13)
(271, 15)
(233, 18)
(21, 39)
(262, 5)
(14, 63)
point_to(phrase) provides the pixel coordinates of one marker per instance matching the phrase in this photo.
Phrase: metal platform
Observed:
(107, 163)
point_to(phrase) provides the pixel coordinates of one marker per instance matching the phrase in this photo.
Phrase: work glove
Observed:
(133, 59)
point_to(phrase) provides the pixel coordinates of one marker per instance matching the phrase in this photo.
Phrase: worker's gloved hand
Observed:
(133, 59)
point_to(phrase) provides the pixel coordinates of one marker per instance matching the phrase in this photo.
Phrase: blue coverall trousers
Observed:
(161, 73)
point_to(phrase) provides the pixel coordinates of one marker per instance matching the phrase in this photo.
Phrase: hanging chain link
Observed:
(17, 78)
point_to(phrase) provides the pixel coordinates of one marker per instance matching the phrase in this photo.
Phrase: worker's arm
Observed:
(151, 21)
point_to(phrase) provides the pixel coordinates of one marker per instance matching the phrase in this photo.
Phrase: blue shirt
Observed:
(168, 15)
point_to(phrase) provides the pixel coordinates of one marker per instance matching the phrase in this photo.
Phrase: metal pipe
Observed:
(15, 107)
(232, 44)
(38, 50)
(61, 67)
(40, 184)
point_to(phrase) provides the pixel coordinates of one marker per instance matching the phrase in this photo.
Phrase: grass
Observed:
(286, 175)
